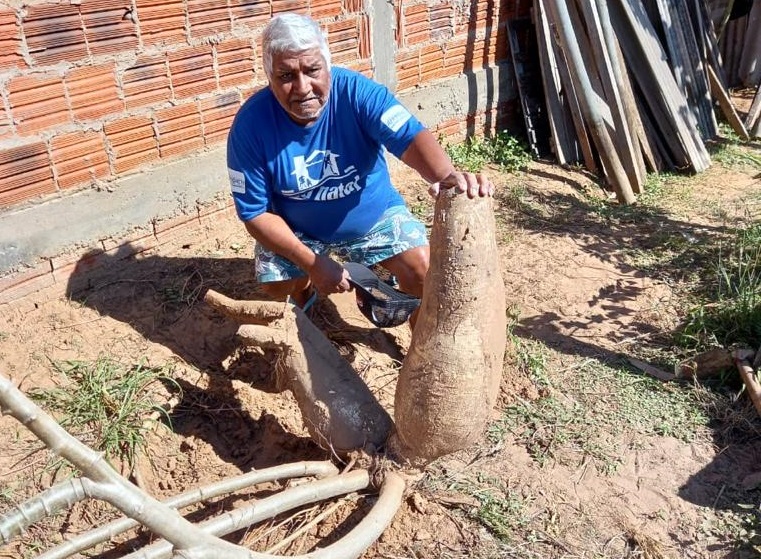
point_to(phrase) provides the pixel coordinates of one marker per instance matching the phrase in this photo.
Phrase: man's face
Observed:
(301, 83)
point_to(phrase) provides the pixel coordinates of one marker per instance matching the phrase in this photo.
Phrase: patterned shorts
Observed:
(396, 231)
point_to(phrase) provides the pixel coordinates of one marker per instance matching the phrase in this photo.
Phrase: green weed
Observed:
(503, 150)
(501, 510)
(730, 314)
(589, 411)
(732, 152)
(108, 403)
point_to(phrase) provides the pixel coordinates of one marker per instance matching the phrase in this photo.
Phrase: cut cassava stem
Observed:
(338, 408)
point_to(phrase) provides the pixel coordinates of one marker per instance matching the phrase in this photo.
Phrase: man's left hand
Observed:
(474, 184)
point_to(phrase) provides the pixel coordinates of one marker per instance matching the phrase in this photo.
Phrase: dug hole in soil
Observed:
(566, 282)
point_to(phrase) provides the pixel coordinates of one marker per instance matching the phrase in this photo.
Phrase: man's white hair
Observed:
(291, 32)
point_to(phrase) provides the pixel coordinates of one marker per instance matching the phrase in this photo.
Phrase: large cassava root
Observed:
(338, 408)
(450, 379)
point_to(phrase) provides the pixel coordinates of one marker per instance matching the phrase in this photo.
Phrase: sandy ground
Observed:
(568, 286)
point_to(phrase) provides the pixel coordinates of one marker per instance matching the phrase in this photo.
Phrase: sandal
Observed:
(381, 304)
(309, 302)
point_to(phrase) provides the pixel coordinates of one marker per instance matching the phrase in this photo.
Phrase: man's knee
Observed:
(410, 269)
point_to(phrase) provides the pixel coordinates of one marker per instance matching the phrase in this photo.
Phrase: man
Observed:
(309, 178)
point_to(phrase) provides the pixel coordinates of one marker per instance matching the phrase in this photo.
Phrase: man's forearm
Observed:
(274, 234)
(428, 158)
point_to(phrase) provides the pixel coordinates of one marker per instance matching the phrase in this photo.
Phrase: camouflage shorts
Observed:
(396, 231)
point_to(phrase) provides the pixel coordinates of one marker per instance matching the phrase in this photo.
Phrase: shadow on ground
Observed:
(681, 252)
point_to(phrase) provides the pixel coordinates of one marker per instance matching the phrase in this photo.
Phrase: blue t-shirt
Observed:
(329, 180)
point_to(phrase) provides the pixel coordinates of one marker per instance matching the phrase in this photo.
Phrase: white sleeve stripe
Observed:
(395, 117)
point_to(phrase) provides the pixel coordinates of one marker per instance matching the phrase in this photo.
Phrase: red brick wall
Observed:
(95, 89)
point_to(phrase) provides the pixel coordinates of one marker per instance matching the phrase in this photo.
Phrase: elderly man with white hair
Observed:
(306, 161)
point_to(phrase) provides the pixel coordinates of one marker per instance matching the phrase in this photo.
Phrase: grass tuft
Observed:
(590, 411)
(729, 314)
(111, 405)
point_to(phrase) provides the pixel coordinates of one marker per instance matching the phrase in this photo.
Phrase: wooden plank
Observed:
(566, 144)
(683, 65)
(590, 161)
(571, 42)
(755, 111)
(704, 31)
(726, 106)
(644, 52)
(646, 156)
(621, 134)
(523, 45)
(749, 70)
(697, 85)
(658, 123)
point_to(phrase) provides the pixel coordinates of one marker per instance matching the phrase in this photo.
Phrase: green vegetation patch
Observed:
(589, 410)
(508, 153)
(729, 314)
(109, 404)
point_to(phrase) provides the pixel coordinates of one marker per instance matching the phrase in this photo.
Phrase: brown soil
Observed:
(569, 286)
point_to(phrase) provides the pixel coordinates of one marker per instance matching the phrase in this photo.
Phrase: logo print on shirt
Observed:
(317, 175)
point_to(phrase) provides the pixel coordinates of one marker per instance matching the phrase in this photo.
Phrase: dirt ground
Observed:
(568, 286)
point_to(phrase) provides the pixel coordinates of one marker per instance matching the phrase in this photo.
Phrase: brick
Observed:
(363, 67)
(483, 53)
(417, 28)
(464, 19)
(177, 227)
(18, 286)
(322, 9)
(179, 130)
(79, 158)
(25, 173)
(209, 214)
(54, 33)
(208, 17)
(253, 12)
(399, 27)
(365, 39)
(246, 92)
(73, 268)
(37, 102)
(351, 6)
(454, 56)
(344, 41)
(161, 21)
(10, 40)
(6, 124)
(108, 26)
(235, 62)
(407, 69)
(431, 56)
(502, 45)
(146, 82)
(432, 64)
(191, 71)
(281, 6)
(131, 245)
(92, 92)
(442, 21)
(132, 142)
(217, 115)
(449, 128)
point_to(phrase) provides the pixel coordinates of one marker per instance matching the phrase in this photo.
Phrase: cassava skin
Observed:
(450, 379)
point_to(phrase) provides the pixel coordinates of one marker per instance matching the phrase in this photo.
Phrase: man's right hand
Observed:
(328, 276)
